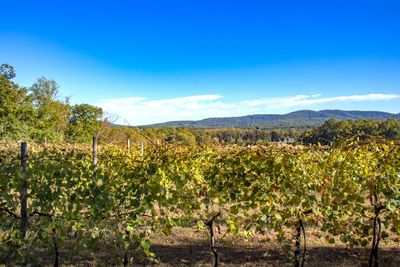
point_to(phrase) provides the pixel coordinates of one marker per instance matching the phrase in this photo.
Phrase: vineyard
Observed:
(58, 196)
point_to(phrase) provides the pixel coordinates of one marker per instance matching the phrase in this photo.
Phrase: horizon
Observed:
(262, 114)
(155, 62)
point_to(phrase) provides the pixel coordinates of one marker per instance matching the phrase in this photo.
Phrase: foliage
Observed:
(38, 113)
(51, 114)
(335, 131)
(351, 192)
(85, 122)
(7, 71)
(16, 111)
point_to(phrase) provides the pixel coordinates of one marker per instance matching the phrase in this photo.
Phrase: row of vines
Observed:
(350, 193)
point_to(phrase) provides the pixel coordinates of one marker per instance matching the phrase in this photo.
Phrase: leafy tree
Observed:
(275, 137)
(7, 71)
(390, 129)
(335, 131)
(184, 136)
(85, 122)
(52, 113)
(15, 107)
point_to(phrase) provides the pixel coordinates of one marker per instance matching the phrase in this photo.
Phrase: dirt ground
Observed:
(190, 247)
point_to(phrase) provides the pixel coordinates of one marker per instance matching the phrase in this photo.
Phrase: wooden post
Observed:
(129, 146)
(24, 189)
(141, 149)
(56, 250)
(94, 150)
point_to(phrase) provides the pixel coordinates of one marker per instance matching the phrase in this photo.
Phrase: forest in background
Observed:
(40, 114)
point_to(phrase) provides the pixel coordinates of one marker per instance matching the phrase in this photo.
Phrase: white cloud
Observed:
(307, 100)
(139, 111)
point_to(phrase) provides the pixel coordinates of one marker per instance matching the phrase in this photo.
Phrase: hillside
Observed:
(301, 118)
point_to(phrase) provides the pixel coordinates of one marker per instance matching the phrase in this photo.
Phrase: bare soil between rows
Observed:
(190, 247)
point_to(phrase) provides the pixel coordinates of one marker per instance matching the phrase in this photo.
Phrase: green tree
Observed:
(390, 129)
(15, 107)
(275, 137)
(334, 131)
(186, 137)
(52, 112)
(7, 71)
(85, 122)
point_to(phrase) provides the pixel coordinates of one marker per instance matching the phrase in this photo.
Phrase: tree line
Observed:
(330, 132)
(336, 131)
(39, 113)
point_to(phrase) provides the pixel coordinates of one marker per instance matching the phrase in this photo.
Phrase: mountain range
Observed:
(301, 118)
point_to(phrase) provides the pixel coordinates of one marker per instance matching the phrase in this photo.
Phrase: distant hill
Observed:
(301, 118)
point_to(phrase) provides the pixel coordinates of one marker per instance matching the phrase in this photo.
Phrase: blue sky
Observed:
(153, 61)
